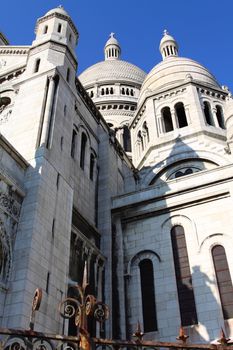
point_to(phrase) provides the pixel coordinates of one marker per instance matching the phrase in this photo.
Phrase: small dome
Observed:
(168, 46)
(59, 10)
(112, 71)
(112, 40)
(112, 49)
(174, 71)
(166, 37)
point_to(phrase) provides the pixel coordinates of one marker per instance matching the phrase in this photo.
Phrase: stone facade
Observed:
(147, 229)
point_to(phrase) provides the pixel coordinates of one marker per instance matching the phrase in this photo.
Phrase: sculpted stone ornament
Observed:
(10, 205)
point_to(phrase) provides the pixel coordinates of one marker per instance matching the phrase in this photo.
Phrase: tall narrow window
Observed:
(45, 29)
(59, 27)
(145, 131)
(167, 119)
(92, 165)
(140, 141)
(148, 295)
(223, 280)
(68, 75)
(181, 115)
(126, 139)
(183, 277)
(220, 118)
(83, 150)
(208, 115)
(73, 143)
(37, 65)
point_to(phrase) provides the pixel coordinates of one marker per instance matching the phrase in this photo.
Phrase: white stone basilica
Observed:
(127, 173)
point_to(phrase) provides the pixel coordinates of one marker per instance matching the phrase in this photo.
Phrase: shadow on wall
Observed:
(193, 292)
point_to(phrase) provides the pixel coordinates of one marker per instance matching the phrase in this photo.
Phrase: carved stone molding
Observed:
(9, 205)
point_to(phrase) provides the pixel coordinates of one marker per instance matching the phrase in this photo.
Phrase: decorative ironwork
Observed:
(138, 333)
(80, 308)
(35, 306)
(182, 336)
(223, 340)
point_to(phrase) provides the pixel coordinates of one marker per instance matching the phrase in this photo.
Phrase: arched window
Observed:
(208, 115)
(92, 165)
(37, 65)
(148, 296)
(183, 277)
(123, 91)
(102, 91)
(181, 115)
(178, 174)
(140, 140)
(219, 114)
(223, 280)
(59, 28)
(83, 150)
(146, 132)
(107, 91)
(188, 171)
(126, 139)
(167, 119)
(73, 143)
(111, 90)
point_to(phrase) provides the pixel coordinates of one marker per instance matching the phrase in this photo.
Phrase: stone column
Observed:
(160, 125)
(48, 110)
(174, 119)
(117, 89)
(215, 119)
(186, 109)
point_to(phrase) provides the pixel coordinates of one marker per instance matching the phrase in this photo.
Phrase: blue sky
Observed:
(202, 28)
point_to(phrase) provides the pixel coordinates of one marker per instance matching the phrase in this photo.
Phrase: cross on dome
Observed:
(168, 46)
(112, 48)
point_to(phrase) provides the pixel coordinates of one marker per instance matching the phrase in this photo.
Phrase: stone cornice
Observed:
(153, 194)
(14, 50)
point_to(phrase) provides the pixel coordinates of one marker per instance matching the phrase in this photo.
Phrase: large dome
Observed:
(174, 71)
(112, 70)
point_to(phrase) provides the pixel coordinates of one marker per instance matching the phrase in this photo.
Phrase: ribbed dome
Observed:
(173, 71)
(112, 71)
(59, 10)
